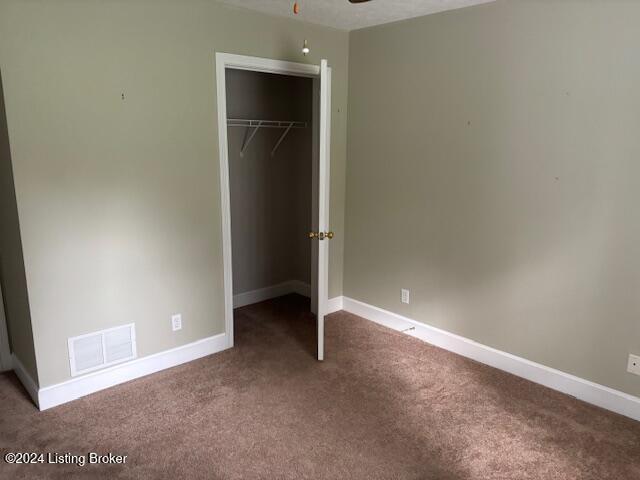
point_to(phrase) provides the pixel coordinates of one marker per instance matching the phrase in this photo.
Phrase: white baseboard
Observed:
(334, 305)
(267, 293)
(64, 392)
(29, 384)
(75, 388)
(590, 392)
(301, 288)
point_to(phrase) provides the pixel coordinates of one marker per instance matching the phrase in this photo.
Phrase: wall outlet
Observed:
(634, 364)
(405, 295)
(176, 322)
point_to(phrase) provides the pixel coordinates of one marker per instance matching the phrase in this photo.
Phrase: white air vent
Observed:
(102, 349)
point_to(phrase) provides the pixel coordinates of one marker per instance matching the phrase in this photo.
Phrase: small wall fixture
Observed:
(305, 47)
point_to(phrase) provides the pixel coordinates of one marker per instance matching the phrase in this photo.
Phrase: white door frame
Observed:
(266, 65)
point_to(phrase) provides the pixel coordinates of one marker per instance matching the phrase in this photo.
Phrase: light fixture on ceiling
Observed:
(305, 47)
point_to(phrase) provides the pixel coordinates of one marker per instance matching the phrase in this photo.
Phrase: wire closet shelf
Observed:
(256, 125)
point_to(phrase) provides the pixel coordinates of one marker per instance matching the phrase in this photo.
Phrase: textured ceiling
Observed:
(347, 16)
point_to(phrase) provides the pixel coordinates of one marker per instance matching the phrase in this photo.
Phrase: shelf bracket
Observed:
(281, 138)
(247, 141)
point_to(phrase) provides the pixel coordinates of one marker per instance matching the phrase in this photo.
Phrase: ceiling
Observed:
(347, 16)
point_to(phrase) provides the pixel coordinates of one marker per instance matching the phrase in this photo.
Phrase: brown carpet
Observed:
(382, 406)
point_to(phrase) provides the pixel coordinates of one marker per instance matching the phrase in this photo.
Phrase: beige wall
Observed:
(494, 170)
(270, 196)
(119, 201)
(14, 300)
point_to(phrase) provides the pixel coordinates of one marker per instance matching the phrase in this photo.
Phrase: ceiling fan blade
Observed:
(358, 1)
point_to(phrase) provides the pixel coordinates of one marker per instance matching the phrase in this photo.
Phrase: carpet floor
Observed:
(382, 405)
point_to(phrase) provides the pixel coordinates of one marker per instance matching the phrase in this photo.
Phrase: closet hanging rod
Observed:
(258, 124)
(240, 122)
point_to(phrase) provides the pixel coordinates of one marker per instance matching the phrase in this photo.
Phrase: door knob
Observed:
(321, 235)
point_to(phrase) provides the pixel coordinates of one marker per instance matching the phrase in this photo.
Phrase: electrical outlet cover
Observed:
(176, 322)
(405, 295)
(634, 364)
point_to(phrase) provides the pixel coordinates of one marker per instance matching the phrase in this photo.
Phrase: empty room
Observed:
(320, 239)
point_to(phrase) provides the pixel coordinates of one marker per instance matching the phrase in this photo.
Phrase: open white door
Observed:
(324, 235)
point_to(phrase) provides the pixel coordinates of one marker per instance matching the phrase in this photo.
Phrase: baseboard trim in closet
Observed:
(266, 293)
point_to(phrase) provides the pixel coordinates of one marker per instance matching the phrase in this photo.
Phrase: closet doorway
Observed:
(274, 123)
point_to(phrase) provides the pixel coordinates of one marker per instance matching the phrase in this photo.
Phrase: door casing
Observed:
(322, 90)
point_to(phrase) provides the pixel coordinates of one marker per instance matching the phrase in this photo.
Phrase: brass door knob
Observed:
(320, 235)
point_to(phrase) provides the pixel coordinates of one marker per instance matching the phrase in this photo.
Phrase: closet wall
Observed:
(270, 196)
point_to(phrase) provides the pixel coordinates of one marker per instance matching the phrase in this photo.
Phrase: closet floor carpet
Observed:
(382, 406)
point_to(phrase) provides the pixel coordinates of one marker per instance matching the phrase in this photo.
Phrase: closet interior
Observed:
(271, 140)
